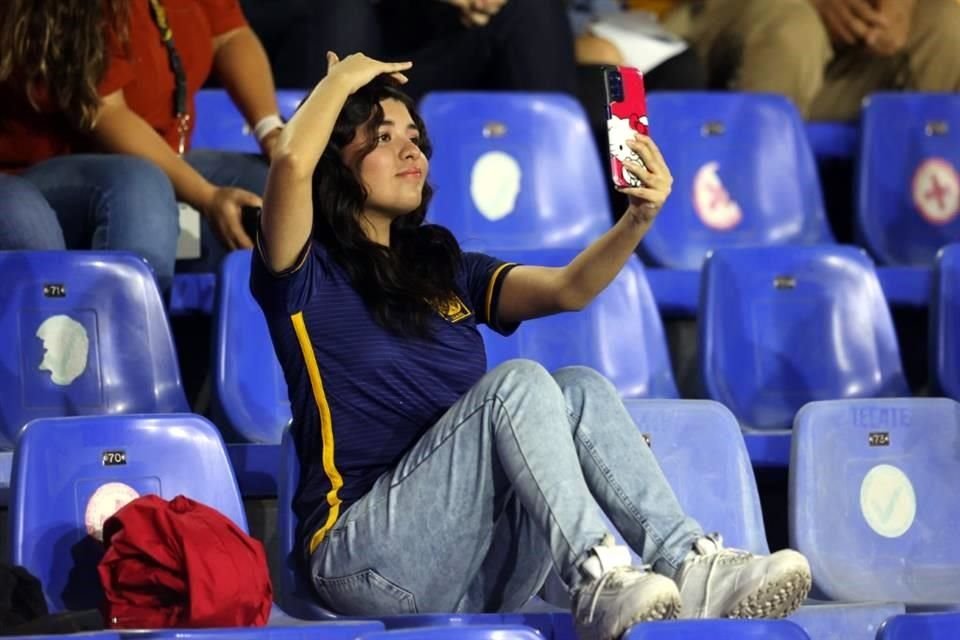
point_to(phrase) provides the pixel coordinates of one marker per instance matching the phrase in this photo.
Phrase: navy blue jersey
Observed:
(360, 395)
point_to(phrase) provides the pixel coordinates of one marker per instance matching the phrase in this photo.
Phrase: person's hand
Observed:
(224, 214)
(892, 39)
(477, 13)
(357, 70)
(849, 22)
(657, 181)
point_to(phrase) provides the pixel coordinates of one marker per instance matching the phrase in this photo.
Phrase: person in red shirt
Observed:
(155, 56)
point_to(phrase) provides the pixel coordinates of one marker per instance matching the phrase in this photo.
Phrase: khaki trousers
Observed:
(782, 46)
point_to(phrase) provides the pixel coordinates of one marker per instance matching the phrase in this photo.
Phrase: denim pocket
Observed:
(364, 593)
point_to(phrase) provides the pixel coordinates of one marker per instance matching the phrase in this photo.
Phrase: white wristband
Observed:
(266, 125)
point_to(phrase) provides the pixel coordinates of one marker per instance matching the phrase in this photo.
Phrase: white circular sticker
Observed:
(712, 201)
(495, 184)
(106, 501)
(65, 348)
(887, 501)
(936, 191)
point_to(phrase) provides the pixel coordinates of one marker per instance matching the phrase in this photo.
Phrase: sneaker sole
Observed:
(777, 599)
(664, 609)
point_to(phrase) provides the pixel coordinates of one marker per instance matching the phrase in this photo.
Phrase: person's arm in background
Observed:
(118, 129)
(892, 39)
(243, 68)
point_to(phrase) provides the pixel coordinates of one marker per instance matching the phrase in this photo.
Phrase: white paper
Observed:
(642, 41)
(188, 243)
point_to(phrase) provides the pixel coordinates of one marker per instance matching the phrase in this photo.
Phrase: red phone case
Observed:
(626, 115)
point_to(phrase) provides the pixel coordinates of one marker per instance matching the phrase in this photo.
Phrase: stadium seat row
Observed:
(871, 491)
(520, 170)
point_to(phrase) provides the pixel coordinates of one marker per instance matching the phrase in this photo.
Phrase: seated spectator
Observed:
(825, 55)
(522, 45)
(141, 78)
(51, 197)
(428, 483)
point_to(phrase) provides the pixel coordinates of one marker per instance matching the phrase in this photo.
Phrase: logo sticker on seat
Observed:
(106, 501)
(65, 348)
(888, 501)
(712, 201)
(936, 191)
(495, 184)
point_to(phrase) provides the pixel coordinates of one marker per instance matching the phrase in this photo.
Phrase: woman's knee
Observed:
(933, 39)
(585, 379)
(522, 372)
(27, 222)
(138, 212)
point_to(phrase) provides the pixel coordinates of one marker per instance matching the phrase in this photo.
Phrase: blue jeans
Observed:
(222, 169)
(508, 484)
(102, 202)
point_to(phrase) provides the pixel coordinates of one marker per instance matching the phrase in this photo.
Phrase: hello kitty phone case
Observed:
(626, 116)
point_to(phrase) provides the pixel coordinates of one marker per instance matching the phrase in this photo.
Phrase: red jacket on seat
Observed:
(181, 564)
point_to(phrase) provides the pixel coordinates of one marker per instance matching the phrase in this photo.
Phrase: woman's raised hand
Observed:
(357, 70)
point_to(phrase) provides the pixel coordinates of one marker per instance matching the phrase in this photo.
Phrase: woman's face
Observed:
(395, 171)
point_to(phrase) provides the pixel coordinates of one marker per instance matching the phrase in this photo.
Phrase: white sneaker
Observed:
(615, 595)
(716, 582)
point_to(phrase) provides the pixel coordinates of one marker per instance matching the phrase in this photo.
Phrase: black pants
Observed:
(527, 46)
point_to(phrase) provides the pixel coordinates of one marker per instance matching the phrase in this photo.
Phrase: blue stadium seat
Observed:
(699, 447)
(716, 630)
(744, 174)
(61, 464)
(619, 334)
(780, 327)
(250, 401)
(908, 182)
(701, 451)
(92, 635)
(473, 632)
(872, 495)
(220, 125)
(86, 333)
(329, 630)
(921, 626)
(945, 321)
(514, 170)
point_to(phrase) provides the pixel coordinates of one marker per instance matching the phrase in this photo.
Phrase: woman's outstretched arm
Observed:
(531, 292)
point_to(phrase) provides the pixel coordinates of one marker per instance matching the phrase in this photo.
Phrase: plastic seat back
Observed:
(783, 326)
(945, 317)
(716, 630)
(221, 127)
(699, 446)
(744, 175)
(515, 170)
(250, 401)
(872, 494)
(69, 474)
(619, 334)
(86, 333)
(908, 177)
(921, 626)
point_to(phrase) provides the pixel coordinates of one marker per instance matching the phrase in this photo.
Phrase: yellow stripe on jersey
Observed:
(488, 307)
(326, 429)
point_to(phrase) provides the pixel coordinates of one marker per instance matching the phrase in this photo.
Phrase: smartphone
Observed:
(626, 116)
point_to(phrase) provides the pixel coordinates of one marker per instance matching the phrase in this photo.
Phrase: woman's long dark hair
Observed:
(400, 284)
(60, 47)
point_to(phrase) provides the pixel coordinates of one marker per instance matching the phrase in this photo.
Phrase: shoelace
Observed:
(617, 577)
(714, 556)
